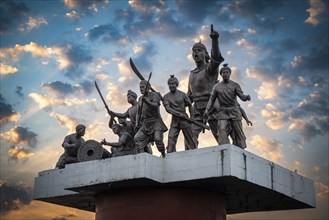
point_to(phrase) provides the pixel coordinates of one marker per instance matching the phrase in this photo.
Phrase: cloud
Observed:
(32, 23)
(86, 6)
(21, 136)
(127, 78)
(6, 69)
(314, 60)
(19, 90)
(13, 197)
(70, 57)
(35, 49)
(316, 12)
(187, 9)
(144, 51)
(59, 89)
(322, 189)
(267, 91)
(74, 15)
(7, 113)
(147, 6)
(46, 102)
(257, 13)
(107, 33)
(269, 149)
(19, 153)
(74, 56)
(310, 118)
(10, 10)
(146, 18)
(66, 121)
(245, 44)
(114, 96)
(274, 119)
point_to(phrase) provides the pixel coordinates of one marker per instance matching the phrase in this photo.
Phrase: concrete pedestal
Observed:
(161, 204)
(183, 185)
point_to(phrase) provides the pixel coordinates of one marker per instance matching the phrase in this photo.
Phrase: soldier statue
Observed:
(124, 146)
(71, 145)
(229, 113)
(131, 111)
(175, 103)
(202, 79)
(149, 123)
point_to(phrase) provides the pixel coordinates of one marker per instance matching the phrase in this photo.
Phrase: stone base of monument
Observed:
(205, 183)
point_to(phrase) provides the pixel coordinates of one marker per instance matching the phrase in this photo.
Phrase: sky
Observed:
(52, 52)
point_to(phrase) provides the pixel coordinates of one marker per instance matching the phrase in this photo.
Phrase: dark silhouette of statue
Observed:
(175, 103)
(71, 145)
(229, 113)
(131, 111)
(124, 146)
(202, 79)
(149, 123)
(129, 126)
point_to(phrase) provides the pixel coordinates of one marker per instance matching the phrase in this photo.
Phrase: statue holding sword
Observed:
(148, 120)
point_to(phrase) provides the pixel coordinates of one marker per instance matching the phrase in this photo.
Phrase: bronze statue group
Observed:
(209, 101)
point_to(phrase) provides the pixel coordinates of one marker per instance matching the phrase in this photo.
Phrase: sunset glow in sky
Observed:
(52, 51)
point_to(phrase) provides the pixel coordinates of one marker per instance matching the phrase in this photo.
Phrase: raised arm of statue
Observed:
(216, 56)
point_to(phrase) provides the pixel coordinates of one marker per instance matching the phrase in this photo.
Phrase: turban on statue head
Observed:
(173, 79)
(225, 67)
(199, 45)
(133, 94)
(144, 82)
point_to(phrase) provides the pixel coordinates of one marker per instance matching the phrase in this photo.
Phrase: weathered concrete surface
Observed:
(248, 182)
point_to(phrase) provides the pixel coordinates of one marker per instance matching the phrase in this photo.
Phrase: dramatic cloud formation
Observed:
(66, 121)
(6, 69)
(10, 10)
(32, 23)
(19, 153)
(311, 118)
(52, 52)
(269, 149)
(22, 140)
(59, 89)
(316, 11)
(7, 113)
(13, 196)
(47, 103)
(145, 51)
(107, 33)
(274, 118)
(70, 57)
(115, 96)
(90, 5)
(21, 136)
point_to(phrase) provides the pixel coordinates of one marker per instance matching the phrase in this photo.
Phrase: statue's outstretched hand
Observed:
(103, 142)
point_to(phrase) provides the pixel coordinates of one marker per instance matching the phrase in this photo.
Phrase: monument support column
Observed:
(160, 203)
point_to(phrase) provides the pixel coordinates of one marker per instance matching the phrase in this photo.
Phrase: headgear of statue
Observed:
(173, 79)
(144, 83)
(225, 67)
(131, 93)
(202, 46)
